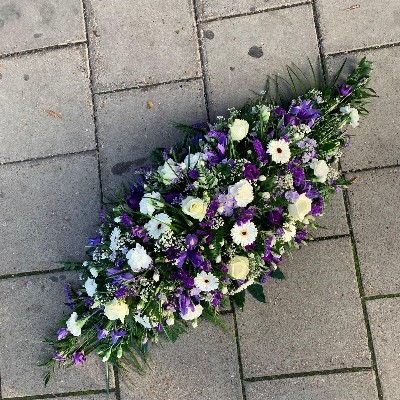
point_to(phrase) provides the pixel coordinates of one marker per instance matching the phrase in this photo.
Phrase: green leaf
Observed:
(239, 299)
(257, 291)
(277, 274)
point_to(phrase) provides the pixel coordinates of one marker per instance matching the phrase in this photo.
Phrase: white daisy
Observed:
(206, 281)
(158, 225)
(244, 234)
(138, 258)
(279, 151)
(90, 286)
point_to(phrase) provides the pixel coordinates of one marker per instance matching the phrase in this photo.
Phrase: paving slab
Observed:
(374, 211)
(141, 43)
(312, 320)
(210, 9)
(334, 221)
(200, 365)
(241, 52)
(376, 141)
(132, 123)
(384, 318)
(45, 104)
(83, 397)
(29, 309)
(49, 207)
(349, 24)
(27, 24)
(348, 386)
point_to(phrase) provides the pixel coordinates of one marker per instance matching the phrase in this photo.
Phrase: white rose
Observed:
(265, 113)
(116, 309)
(198, 309)
(320, 168)
(75, 326)
(150, 203)
(239, 129)
(194, 207)
(91, 287)
(242, 191)
(300, 208)
(169, 171)
(238, 268)
(192, 159)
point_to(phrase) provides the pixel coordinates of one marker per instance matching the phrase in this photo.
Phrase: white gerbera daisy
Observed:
(244, 234)
(206, 281)
(138, 258)
(158, 225)
(279, 151)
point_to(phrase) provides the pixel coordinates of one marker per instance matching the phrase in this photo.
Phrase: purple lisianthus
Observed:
(193, 174)
(62, 333)
(101, 333)
(116, 335)
(317, 206)
(126, 220)
(345, 90)
(173, 198)
(59, 357)
(78, 357)
(275, 217)
(134, 197)
(251, 172)
(245, 215)
(121, 292)
(94, 241)
(300, 236)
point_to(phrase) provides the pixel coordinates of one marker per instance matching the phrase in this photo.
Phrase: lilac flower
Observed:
(291, 195)
(193, 174)
(226, 203)
(251, 172)
(345, 90)
(245, 215)
(94, 241)
(62, 333)
(101, 333)
(116, 335)
(59, 357)
(78, 357)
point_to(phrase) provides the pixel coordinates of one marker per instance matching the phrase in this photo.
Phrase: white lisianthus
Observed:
(93, 272)
(73, 325)
(198, 309)
(238, 267)
(169, 171)
(354, 116)
(150, 202)
(265, 113)
(158, 225)
(194, 207)
(193, 159)
(320, 168)
(239, 129)
(279, 151)
(138, 259)
(144, 321)
(114, 237)
(116, 309)
(90, 286)
(242, 192)
(300, 208)
(206, 281)
(289, 232)
(244, 234)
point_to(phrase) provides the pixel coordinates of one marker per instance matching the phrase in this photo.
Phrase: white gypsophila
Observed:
(242, 192)
(90, 286)
(150, 202)
(144, 321)
(321, 169)
(190, 315)
(192, 160)
(354, 116)
(289, 232)
(114, 237)
(206, 281)
(158, 225)
(138, 259)
(244, 234)
(169, 171)
(279, 151)
(93, 271)
(73, 326)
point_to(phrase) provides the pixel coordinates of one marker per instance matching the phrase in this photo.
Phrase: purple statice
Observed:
(121, 292)
(126, 220)
(345, 90)
(251, 172)
(217, 296)
(93, 241)
(245, 215)
(68, 293)
(101, 332)
(62, 333)
(59, 357)
(226, 203)
(291, 196)
(275, 217)
(173, 198)
(116, 335)
(261, 153)
(300, 236)
(297, 173)
(193, 174)
(78, 357)
(212, 208)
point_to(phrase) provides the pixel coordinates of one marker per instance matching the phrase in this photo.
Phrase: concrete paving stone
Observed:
(240, 53)
(85, 397)
(142, 43)
(30, 307)
(349, 24)
(45, 104)
(132, 123)
(374, 211)
(349, 386)
(27, 24)
(384, 317)
(376, 141)
(334, 221)
(312, 320)
(49, 207)
(223, 8)
(199, 365)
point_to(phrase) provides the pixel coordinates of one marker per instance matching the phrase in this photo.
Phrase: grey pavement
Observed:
(89, 87)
